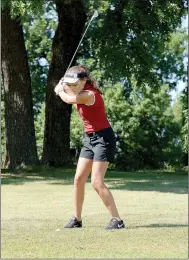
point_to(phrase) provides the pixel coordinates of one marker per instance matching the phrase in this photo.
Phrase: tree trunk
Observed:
(72, 17)
(20, 143)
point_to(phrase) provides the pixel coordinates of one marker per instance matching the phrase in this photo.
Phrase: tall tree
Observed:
(20, 135)
(71, 20)
(127, 41)
(130, 36)
(184, 131)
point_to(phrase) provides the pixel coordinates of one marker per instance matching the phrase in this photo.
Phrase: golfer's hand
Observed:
(59, 87)
(68, 90)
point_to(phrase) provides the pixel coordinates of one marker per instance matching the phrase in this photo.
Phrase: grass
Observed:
(36, 206)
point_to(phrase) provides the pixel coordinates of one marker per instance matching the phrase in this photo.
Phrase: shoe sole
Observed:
(115, 228)
(73, 227)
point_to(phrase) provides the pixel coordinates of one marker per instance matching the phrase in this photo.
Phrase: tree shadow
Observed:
(166, 184)
(37, 174)
(116, 180)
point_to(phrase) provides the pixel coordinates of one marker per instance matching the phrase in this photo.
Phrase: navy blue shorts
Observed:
(99, 146)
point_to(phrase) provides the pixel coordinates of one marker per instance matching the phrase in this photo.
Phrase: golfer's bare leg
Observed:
(83, 170)
(97, 180)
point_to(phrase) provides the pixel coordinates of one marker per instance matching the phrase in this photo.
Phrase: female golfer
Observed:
(79, 89)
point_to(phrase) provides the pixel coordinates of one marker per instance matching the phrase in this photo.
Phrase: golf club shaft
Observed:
(81, 39)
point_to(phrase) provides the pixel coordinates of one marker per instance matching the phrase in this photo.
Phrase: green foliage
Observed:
(38, 18)
(181, 117)
(147, 134)
(39, 130)
(129, 38)
(184, 132)
(171, 60)
(39, 32)
(24, 8)
(76, 128)
(177, 110)
(132, 42)
(2, 131)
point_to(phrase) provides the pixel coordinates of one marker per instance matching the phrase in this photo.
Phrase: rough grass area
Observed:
(36, 206)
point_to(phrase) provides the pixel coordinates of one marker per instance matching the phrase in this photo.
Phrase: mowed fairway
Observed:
(36, 207)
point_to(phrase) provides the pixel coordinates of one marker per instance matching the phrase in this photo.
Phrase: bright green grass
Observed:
(36, 207)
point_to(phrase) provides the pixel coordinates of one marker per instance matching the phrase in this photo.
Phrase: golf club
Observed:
(94, 16)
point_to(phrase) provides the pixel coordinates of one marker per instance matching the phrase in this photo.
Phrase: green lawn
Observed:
(35, 207)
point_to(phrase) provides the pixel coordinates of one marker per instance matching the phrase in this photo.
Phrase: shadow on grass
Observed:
(163, 225)
(116, 180)
(39, 173)
(151, 181)
(156, 225)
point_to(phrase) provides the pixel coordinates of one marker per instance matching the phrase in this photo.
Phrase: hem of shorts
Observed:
(85, 157)
(103, 161)
(110, 161)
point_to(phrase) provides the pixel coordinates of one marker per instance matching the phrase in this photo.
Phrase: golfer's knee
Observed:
(79, 180)
(97, 185)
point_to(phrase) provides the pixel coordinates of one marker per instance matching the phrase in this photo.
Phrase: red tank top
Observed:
(93, 116)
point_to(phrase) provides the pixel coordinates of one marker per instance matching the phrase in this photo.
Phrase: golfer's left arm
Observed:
(69, 99)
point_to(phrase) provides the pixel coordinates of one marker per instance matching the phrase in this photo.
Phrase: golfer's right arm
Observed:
(80, 98)
(71, 98)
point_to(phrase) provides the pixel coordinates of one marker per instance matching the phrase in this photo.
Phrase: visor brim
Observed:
(70, 80)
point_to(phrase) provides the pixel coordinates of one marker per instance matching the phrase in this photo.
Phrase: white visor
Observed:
(70, 78)
(73, 77)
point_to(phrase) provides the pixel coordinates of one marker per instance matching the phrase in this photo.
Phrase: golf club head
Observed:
(95, 14)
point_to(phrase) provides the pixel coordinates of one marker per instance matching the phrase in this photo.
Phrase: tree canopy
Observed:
(135, 49)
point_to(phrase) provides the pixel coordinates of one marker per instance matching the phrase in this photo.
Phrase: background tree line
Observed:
(136, 51)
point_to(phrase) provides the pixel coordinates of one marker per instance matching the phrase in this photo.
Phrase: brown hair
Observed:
(90, 79)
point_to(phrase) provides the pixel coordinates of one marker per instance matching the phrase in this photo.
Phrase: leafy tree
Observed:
(147, 134)
(170, 63)
(71, 19)
(130, 37)
(145, 126)
(20, 143)
(76, 132)
(2, 131)
(23, 9)
(39, 129)
(177, 110)
(130, 43)
(126, 41)
(39, 32)
(184, 131)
